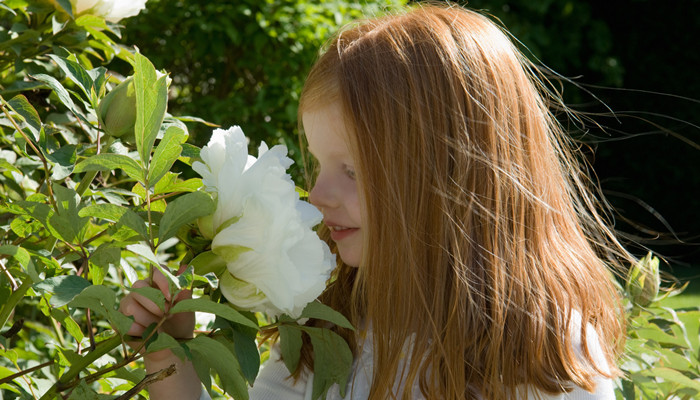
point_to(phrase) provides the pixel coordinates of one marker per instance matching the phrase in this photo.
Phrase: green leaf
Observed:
(68, 323)
(151, 104)
(164, 341)
(120, 215)
(318, 310)
(247, 354)
(64, 288)
(332, 360)
(209, 278)
(166, 154)
(220, 358)
(61, 92)
(290, 345)
(92, 21)
(76, 73)
(106, 162)
(183, 210)
(201, 366)
(63, 161)
(144, 251)
(56, 25)
(671, 375)
(18, 253)
(190, 151)
(22, 106)
(169, 183)
(208, 262)
(65, 6)
(152, 294)
(66, 221)
(106, 255)
(189, 118)
(83, 392)
(102, 300)
(204, 304)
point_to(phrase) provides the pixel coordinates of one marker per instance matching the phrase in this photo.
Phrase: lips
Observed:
(339, 232)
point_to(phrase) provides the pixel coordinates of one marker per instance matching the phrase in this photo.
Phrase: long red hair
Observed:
(483, 238)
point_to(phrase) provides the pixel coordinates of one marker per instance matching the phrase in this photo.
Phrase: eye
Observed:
(350, 172)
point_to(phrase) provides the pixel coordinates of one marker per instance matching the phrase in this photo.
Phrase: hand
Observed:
(185, 383)
(146, 312)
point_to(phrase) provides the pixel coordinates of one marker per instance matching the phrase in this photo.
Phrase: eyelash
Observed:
(350, 172)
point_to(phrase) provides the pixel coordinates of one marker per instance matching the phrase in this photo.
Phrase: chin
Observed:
(350, 259)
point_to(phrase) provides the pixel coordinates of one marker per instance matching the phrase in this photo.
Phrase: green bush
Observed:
(89, 204)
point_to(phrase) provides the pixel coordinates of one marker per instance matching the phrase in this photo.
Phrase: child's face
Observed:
(336, 192)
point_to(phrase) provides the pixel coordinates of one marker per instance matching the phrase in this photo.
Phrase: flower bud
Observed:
(206, 226)
(117, 110)
(643, 281)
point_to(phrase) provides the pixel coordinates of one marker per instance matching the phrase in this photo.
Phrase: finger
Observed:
(183, 295)
(141, 315)
(161, 282)
(136, 329)
(144, 301)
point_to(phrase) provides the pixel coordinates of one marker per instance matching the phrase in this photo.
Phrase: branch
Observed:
(24, 372)
(150, 378)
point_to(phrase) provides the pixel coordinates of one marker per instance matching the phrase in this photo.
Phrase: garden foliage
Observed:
(96, 190)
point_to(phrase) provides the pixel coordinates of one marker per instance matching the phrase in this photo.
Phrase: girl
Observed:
(471, 254)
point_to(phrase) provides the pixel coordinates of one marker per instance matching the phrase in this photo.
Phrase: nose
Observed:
(321, 194)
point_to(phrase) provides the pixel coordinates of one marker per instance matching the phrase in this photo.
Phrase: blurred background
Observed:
(630, 65)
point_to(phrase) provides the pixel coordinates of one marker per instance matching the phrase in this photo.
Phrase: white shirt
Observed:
(274, 382)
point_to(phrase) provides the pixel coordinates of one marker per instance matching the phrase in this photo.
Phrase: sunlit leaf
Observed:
(166, 153)
(183, 210)
(151, 103)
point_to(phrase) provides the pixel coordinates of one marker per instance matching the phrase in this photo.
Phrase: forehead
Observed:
(325, 129)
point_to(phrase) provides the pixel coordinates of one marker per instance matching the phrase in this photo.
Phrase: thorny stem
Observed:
(4, 103)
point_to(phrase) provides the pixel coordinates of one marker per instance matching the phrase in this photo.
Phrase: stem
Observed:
(9, 275)
(148, 210)
(68, 380)
(24, 372)
(4, 103)
(101, 349)
(54, 324)
(85, 182)
(91, 334)
(165, 196)
(73, 250)
(150, 378)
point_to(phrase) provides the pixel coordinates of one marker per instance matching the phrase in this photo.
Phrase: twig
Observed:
(12, 377)
(13, 283)
(150, 378)
(74, 250)
(91, 334)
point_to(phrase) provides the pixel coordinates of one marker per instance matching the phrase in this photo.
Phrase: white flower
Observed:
(111, 10)
(275, 261)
